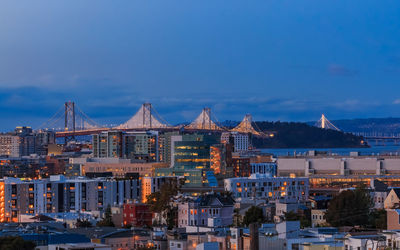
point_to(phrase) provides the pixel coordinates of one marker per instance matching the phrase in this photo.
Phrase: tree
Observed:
(349, 208)
(171, 217)
(254, 214)
(107, 220)
(236, 217)
(160, 202)
(83, 223)
(292, 216)
(16, 242)
(378, 219)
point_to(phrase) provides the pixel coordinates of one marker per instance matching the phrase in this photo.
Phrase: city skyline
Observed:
(275, 60)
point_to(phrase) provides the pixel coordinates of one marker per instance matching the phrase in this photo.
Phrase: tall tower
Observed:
(323, 121)
(147, 115)
(69, 120)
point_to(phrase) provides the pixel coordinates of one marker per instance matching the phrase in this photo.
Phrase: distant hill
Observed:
(369, 125)
(302, 135)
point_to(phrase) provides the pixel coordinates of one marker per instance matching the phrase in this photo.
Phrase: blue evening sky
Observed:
(276, 59)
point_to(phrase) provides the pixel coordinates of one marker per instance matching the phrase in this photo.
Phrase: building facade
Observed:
(58, 194)
(137, 215)
(257, 186)
(240, 141)
(210, 210)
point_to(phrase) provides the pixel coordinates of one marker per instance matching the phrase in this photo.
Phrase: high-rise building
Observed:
(166, 146)
(108, 144)
(240, 141)
(10, 145)
(24, 142)
(28, 140)
(241, 166)
(43, 140)
(141, 146)
(221, 159)
(191, 158)
(131, 145)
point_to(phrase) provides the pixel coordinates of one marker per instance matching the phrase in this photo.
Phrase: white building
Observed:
(364, 242)
(208, 211)
(258, 186)
(240, 141)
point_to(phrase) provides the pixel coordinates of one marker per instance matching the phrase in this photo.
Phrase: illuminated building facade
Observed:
(241, 166)
(21, 197)
(192, 157)
(24, 142)
(141, 146)
(240, 141)
(221, 159)
(2, 203)
(337, 172)
(258, 186)
(117, 167)
(58, 194)
(10, 145)
(107, 144)
(137, 215)
(166, 148)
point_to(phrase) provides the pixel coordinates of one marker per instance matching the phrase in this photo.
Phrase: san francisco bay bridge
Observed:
(70, 121)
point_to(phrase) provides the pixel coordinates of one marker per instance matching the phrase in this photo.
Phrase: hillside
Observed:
(371, 125)
(302, 135)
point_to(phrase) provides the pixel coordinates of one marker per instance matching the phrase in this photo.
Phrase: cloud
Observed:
(397, 101)
(340, 70)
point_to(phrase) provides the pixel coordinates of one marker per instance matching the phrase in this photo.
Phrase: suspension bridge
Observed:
(70, 121)
(378, 137)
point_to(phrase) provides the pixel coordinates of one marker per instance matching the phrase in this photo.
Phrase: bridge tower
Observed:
(246, 126)
(69, 121)
(145, 118)
(324, 123)
(204, 121)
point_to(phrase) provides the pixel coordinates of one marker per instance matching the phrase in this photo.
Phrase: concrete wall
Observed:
(336, 165)
(393, 222)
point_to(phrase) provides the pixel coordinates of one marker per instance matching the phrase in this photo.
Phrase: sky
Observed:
(276, 59)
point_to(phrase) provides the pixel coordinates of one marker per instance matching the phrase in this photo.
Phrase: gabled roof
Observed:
(396, 191)
(208, 200)
(42, 217)
(380, 186)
